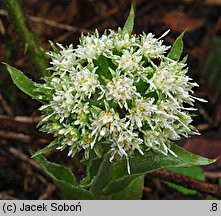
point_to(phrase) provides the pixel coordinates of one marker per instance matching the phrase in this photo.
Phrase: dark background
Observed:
(63, 21)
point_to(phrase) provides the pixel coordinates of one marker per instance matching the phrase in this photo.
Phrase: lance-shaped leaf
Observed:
(53, 145)
(54, 48)
(24, 83)
(129, 24)
(64, 179)
(177, 48)
(149, 162)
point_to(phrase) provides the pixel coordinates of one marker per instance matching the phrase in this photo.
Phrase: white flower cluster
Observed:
(118, 90)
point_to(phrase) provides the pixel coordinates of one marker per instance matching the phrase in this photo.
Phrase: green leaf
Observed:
(142, 86)
(24, 83)
(129, 24)
(73, 192)
(195, 172)
(191, 159)
(209, 197)
(177, 48)
(93, 163)
(132, 192)
(93, 167)
(154, 95)
(64, 179)
(56, 171)
(53, 145)
(104, 64)
(54, 48)
(102, 178)
(141, 164)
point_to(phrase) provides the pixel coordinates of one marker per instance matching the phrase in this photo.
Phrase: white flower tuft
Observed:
(117, 90)
(121, 90)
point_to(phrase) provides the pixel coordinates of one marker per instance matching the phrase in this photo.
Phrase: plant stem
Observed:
(188, 182)
(30, 42)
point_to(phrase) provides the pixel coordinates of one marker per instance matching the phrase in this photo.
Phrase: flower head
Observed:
(120, 90)
(111, 90)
